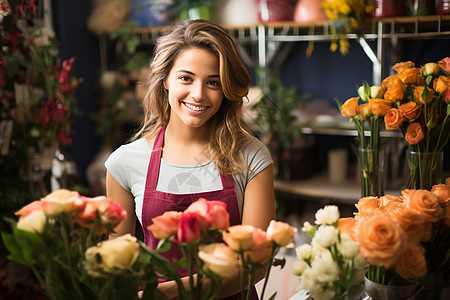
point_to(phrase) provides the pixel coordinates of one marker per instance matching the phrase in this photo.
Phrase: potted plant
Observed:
(194, 9)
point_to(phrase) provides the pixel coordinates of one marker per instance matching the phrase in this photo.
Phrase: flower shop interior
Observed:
(70, 95)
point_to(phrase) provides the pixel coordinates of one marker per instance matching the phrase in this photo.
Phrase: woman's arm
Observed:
(116, 192)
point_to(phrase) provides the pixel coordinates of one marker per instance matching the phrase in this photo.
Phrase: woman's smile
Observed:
(194, 107)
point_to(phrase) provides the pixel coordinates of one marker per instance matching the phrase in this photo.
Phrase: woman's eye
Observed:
(185, 78)
(214, 83)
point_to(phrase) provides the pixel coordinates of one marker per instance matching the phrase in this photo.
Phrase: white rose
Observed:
(34, 222)
(309, 280)
(298, 267)
(327, 215)
(376, 92)
(325, 268)
(325, 236)
(304, 251)
(347, 246)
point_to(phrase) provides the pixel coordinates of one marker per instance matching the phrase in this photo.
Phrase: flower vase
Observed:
(434, 287)
(425, 169)
(372, 168)
(378, 291)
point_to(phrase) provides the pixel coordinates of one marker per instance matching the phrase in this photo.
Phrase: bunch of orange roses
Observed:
(403, 237)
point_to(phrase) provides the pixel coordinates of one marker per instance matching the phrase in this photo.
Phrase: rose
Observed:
(414, 133)
(220, 259)
(364, 111)
(34, 222)
(348, 226)
(347, 246)
(211, 213)
(298, 267)
(444, 64)
(393, 119)
(109, 212)
(410, 110)
(327, 215)
(120, 253)
(165, 225)
(376, 91)
(29, 208)
(114, 214)
(280, 233)
(189, 229)
(424, 202)
(325, 236)
(409, 220)
(395, 92)
(403, 66)
(380, 240)
(409, 76)
(430, 69)
(442, 191)
(418, 94)
(367, 205)
(388, 199)
(440, 84)
(350, 107)
(62, 201)
(239, 237)
(304, 252)
(446, 98)
(411, 263)
(390, 80)
(379, 107)
(261, 247)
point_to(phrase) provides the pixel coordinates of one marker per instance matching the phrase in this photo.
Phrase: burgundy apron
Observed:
(155, 203)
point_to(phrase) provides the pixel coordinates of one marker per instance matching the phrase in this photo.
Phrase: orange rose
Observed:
(239, 237)
(440, 84)
(261, 248)
(418, 91)
(165, 225)
(408, 219)
(414, 134)
(381, 240)
(389, 81)
(411, 263)
(348, 226)
(364, 111)
(410, 110)
(388, 199)
(442, 191)
(395, 92)
(379, 107)
(393, 119)
(403, 66)
(280, 233)
(425, 203)
(349, 108)
(409, 76)
(367, 205)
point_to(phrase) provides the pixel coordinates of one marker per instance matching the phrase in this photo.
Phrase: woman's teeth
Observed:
(193, 107)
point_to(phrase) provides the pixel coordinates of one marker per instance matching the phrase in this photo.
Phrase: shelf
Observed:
(346, 131)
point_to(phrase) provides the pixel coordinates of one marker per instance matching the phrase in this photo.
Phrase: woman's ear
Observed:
(165, 85)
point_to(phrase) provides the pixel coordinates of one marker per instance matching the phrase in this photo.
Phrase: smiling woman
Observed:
(193, 142)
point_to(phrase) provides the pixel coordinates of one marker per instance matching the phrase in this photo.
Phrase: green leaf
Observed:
(14, 248)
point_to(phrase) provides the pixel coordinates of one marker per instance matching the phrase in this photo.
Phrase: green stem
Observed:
(65, 237)
(269, 267)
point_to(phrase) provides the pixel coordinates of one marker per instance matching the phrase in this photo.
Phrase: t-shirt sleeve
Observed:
(257, 157)
(118, 168)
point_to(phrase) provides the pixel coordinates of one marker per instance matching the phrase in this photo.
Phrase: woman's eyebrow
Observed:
(192, 73)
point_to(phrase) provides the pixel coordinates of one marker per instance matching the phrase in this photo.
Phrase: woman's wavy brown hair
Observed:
(227, 129)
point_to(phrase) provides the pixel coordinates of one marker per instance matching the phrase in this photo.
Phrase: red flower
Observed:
(189, 229)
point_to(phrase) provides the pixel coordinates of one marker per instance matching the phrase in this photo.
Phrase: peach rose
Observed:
(430, 69)
(442, 191)
(395, 92)
(220, 259)
(425, 203)
(411, 263)
(348, 226)
(440, 84)
(409, 76)
(414, 133)
(239, 237)
(165, 225)
(62, 201)
(110, 213)
(280, 233)
(364, 111)
(379, 107)
(211, 213)
(33, 222)
(409, 220)
(444, 64)
(350, 107)
(367, 205)
(386, 200)
(261, 247)
(29, 208)
(410, 110)
(403, 66)
(393, 119)
(380, 239)
(418, 93)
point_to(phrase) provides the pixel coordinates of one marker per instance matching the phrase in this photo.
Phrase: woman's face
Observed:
(194, 89)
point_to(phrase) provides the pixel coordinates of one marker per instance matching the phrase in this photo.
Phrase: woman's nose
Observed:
(197, 90)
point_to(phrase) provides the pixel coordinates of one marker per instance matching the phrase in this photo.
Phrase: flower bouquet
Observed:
(421, 110)
(331, 267)
(62, 238)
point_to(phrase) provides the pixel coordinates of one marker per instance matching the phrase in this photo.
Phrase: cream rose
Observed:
(280, 233)
(325, 236)
(120, 253)
(62, 201)
(239, 237)
(34, 222)
(304, 251)
(220, 259)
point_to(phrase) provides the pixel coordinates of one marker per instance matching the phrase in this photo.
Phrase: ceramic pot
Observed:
(236, 12)
(443, 7)
(309, 11)
(388, 8)
(276, 10)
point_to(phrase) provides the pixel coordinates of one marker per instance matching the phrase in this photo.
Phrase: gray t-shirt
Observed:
(129, 163)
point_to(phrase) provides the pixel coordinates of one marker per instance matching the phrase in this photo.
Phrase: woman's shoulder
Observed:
(253, 144)
(133, 149)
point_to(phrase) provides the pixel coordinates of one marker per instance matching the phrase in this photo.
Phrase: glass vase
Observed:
(425, 169)
(371, 163)
(378, 291)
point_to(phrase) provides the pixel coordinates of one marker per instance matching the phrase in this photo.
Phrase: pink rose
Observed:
(444, 64)
(280, 233)
(189, 229)
(165, 225)
(62, 201)
(211, 213)
(261, 247)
